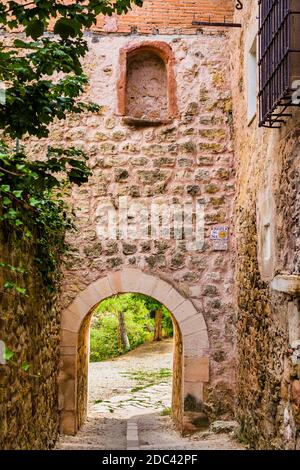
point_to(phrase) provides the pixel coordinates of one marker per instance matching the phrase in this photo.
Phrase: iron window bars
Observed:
(279, 59)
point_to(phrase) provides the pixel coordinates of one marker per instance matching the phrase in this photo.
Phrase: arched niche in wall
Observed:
(147, 86)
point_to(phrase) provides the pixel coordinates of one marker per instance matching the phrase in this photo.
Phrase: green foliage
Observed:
(8, 357)
(8, 354)
(145, 379)
(33, 98)
(152, 306)
(25, 366)
(43, 78)
(31, 196)
(166, 411)
(104, 339)
(167, 323)
(139, 320)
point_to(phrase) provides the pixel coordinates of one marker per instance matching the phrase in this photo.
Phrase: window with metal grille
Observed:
(279, 59)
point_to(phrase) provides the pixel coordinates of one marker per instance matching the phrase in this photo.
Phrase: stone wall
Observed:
(82, 366)
(177, 385)
(29, 326)
(267, 200)
(188, 159)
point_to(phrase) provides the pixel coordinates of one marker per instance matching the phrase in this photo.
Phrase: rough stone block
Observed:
(194, 421)
(91, 296)
(147, 284)
(70, 321)
(68, 338)
(196, 369)
(67, 350)
(161, 291)
(173, 300)
(114, 280)
(289, 284)
(103, 287)
(196, 344)
(79, 307)
(195, 389)
(192, 324)
(68, 423)
(68, 363)
(130, 280)
(67, 395)
(184, 311)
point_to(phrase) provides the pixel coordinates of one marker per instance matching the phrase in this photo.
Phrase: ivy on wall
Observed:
(32, 202)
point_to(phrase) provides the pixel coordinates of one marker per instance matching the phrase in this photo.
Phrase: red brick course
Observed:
(168, 16)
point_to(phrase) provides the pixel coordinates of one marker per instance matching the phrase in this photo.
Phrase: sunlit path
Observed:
(127, 395)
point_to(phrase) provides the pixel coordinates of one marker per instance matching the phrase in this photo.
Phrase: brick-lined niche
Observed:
(147, 86)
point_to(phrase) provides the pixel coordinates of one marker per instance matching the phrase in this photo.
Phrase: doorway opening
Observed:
(131, 357)
(112, 330)
(190, 352)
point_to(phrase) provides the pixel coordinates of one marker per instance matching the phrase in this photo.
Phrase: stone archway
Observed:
(191, 363)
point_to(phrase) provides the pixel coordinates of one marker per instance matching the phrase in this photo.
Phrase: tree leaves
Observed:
(138, 318)
(31, 108)
(69, 19)
(25, 45)
(14, 286)
(35, 28)
(8, 356)
(66, 28)
(32, 99)
(35, 206)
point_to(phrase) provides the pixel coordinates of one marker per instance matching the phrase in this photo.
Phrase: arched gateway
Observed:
(191, 364)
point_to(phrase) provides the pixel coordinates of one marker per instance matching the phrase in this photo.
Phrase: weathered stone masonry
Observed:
(187, 155)
(190, 157)
(169, 139)
(191, 361)
(268, 404)
(28, 400)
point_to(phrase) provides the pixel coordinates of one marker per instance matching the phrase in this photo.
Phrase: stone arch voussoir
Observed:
(191, 327)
